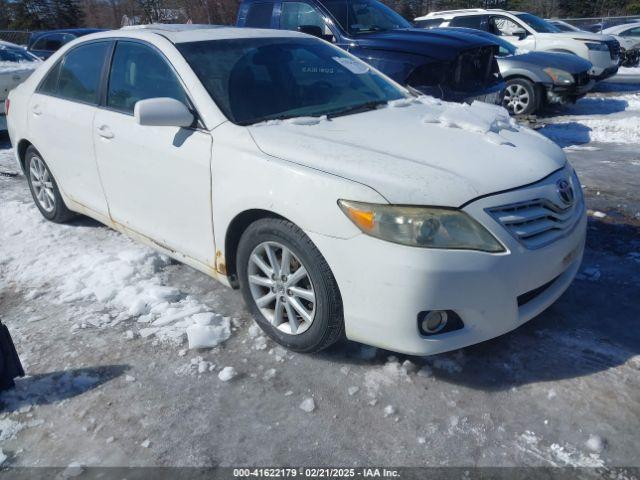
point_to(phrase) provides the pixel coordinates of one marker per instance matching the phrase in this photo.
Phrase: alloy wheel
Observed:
(281, 288)
(42, 184)
(516, 98)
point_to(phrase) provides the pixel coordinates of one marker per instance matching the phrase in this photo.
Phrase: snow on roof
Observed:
(180, 33)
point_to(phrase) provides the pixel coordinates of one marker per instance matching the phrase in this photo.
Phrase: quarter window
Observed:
(138, 73)
(259, 15)
(79, 73)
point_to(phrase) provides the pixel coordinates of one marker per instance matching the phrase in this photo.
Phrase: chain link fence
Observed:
(19, 37)
(597, 24)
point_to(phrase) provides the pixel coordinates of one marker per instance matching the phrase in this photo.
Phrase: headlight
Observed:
(558, 76)
(427, 227)
(600, 47)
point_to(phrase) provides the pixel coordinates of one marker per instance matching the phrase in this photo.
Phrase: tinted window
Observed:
(256, 79)
(471, 21)
(15, 55)
(295, 14)
(52, 42)
(259, 15)
(138, 72)
(79, 77)
(50, 82)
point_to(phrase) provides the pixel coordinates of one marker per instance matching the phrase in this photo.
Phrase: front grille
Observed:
(581, 79)
(538, 222)
(475, 68)
(614, 49)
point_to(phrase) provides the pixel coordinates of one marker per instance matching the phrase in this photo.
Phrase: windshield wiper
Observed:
(362, 107)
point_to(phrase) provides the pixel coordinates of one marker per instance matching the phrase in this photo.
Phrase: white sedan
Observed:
(340, 204)
(16, 64)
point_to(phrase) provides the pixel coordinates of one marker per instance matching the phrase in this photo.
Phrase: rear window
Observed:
(259, 15)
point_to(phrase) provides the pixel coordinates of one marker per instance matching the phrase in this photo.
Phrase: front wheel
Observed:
(521, 97)
(44, 188)
(288, 286)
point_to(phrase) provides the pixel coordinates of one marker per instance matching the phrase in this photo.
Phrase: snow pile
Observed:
(598, 119)
(483, 118)
(628, 71)
(84, 263)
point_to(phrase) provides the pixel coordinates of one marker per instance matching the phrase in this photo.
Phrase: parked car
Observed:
(629, 48)
(528, 32)
(629, 37)
(338, 202)
(629, 30)
(16, 64)
(43, 44)
(536, 79)
(453, 66)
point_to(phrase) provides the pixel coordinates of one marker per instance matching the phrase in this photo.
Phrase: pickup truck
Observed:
(453, 66)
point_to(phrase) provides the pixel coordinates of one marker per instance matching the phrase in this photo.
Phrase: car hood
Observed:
(583, 36)
(440, 45)
(418, 152)
(564, 61)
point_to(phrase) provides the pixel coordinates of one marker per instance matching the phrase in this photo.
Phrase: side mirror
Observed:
(162, 112)
(314, 30)
(521, 33)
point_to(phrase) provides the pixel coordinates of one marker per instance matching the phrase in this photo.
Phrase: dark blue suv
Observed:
(450, 65)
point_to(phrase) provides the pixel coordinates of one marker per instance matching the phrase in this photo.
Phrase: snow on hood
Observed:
(419, 151)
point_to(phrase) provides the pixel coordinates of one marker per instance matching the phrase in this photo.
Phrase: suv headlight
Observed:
(559, 77)
(427, 227)
(599, 46)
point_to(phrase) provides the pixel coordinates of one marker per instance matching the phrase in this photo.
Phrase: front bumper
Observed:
(385, 286)
(606, 73)
(561, 94)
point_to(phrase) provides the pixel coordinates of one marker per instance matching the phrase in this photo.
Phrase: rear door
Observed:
(61, 115)
(157, 179)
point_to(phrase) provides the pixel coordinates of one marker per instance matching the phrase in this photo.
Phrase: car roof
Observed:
(181, 33)
(465, 12)
(621, 27)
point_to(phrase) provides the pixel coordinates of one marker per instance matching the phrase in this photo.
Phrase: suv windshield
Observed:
(257, 79)
(364, 16)
(537, 23)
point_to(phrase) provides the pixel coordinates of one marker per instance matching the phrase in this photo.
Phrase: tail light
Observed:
(7, 102)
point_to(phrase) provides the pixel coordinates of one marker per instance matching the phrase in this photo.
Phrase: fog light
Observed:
(434, 321)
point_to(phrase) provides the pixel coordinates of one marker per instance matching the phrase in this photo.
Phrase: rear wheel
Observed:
(521, 97)
(288, 286)
(44, 189)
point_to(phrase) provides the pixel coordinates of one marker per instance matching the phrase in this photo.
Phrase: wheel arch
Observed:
(234, 232)
(22, 152)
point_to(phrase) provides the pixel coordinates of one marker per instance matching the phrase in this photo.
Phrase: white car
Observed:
(630, 31)
(529, 32)
(16, 64)
(338, 202)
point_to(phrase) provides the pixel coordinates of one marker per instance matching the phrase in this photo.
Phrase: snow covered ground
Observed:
(100, 323)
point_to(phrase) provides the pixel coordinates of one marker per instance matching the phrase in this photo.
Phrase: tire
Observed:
(525, 94)
(327, 324)
(48, 200)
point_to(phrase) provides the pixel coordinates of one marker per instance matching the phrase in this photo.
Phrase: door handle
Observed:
(36, 110)
(105, 132)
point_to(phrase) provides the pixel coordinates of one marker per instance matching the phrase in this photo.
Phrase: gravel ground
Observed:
(563, 390)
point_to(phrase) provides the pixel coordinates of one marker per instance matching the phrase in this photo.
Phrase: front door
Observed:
(157, 179)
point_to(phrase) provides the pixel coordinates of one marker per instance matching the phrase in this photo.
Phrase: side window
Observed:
(505, 26)
(80, 72)
(50, 83)
(634, 32)
(298, 14)
(137, 73)
(477, 22)
(50, 43)
(259, 15)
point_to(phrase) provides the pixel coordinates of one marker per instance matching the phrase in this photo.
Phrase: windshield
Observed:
(258, 79)
(364, 16)
(8, 54)
(537, 23)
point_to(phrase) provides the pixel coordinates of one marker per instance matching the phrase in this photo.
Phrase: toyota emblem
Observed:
(565, 190)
